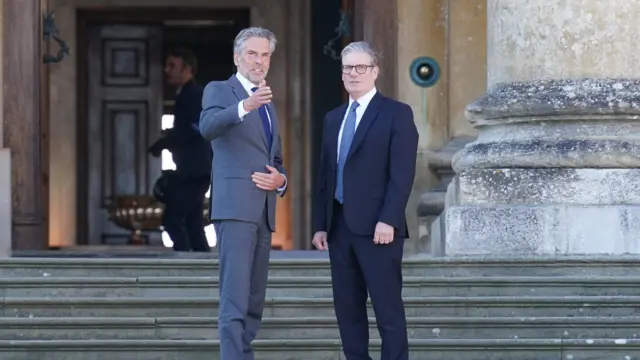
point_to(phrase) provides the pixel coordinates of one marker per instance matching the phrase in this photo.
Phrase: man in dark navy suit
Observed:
(184, 199)
(367, 169)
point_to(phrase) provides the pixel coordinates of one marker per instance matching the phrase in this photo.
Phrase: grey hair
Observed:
(363, 47)
(246, 34)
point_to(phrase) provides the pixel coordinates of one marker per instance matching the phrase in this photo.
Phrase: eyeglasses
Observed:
(360, 69)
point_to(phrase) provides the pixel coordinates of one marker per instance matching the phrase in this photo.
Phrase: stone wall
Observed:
(454, 33)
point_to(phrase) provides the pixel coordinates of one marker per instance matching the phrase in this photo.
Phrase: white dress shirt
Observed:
(363, 103)
(247, 85)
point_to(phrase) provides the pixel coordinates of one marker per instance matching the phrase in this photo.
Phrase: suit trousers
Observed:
(243, 251)
(183, 214)
(360, 266)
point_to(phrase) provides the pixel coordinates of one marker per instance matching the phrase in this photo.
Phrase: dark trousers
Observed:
(358, 266)
(183, 215)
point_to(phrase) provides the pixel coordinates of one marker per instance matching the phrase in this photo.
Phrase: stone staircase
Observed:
(458, 309)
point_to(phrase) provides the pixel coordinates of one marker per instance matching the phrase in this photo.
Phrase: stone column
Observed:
(555, 168)
(21, 66)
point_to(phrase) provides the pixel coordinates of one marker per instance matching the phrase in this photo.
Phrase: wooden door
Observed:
(124, 110)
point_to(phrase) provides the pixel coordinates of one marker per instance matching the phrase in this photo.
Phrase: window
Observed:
(168, 164)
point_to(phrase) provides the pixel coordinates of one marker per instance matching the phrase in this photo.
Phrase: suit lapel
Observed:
(237, 87)
(253, 116)
(367, 120)
(333, 130)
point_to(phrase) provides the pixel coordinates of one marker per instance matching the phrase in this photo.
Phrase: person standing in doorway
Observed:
(238, 116)
(367, 169)
(183, 217)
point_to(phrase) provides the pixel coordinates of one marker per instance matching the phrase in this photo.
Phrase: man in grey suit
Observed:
(241, 122)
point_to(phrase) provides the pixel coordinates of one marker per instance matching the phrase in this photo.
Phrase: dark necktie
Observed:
(345, 144)
(262, 110)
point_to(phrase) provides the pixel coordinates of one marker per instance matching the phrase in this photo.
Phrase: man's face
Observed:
(254, 59)
(177, 72)
(358, 74)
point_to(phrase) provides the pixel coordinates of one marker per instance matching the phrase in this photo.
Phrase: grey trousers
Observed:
(243, 251)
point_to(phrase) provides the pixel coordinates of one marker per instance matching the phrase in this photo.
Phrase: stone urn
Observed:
(138, 213)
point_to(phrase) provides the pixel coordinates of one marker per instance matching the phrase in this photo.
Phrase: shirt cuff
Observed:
(280, 190)
(241, 111)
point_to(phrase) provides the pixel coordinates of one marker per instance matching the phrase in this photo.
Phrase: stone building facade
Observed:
(554, 169)
(40, 118)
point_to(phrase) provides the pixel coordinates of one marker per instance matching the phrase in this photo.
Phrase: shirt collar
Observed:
(246, 84)
(365, 99)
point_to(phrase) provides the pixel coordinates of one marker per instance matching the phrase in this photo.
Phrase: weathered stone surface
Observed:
(591, 123)
(549, 154)
(418, 265)
(556, 39)
(5, 202)
(323, 349)
(432, 202)
(311, 327)
(554, 167)
(543, 229)
(554, 170)
(554, 97)
(462, 308)
(555, 186)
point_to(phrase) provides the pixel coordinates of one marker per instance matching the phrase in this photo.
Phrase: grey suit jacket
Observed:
(239, 149)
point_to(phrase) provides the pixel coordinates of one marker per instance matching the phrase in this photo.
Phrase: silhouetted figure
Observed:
(185, 189)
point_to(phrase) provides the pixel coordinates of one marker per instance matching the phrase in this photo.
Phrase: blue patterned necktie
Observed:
(345, 144)
(262, 110)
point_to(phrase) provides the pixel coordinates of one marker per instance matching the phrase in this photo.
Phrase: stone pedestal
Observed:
(432, 203)
(556, 166)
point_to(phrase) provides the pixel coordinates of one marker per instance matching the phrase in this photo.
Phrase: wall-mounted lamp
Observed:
(424, 72)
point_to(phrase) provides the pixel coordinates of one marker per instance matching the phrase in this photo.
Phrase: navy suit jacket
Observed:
(379, 170)
(191, 153)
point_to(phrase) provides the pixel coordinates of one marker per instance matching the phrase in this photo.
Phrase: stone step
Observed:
(317, 286)
(619, 265)
(203, 328)
(474, 306)
(442, 349)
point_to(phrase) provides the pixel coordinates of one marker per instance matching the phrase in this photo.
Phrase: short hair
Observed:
(363, 47)
(187, 56)
(246, 34)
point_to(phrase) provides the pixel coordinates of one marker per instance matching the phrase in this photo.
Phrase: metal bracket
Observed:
(50, 31)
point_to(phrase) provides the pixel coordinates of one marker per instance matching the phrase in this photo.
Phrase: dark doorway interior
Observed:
(122, 97)
(209, 33)
(212, 43)
(326, 84)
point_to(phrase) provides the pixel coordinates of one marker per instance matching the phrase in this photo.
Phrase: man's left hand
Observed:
(268, 181)
(383, 234)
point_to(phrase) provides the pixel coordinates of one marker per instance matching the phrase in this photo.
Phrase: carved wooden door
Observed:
(124, 86)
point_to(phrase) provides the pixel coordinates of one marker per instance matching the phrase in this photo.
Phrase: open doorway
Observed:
(124, 103)
(212, 43)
